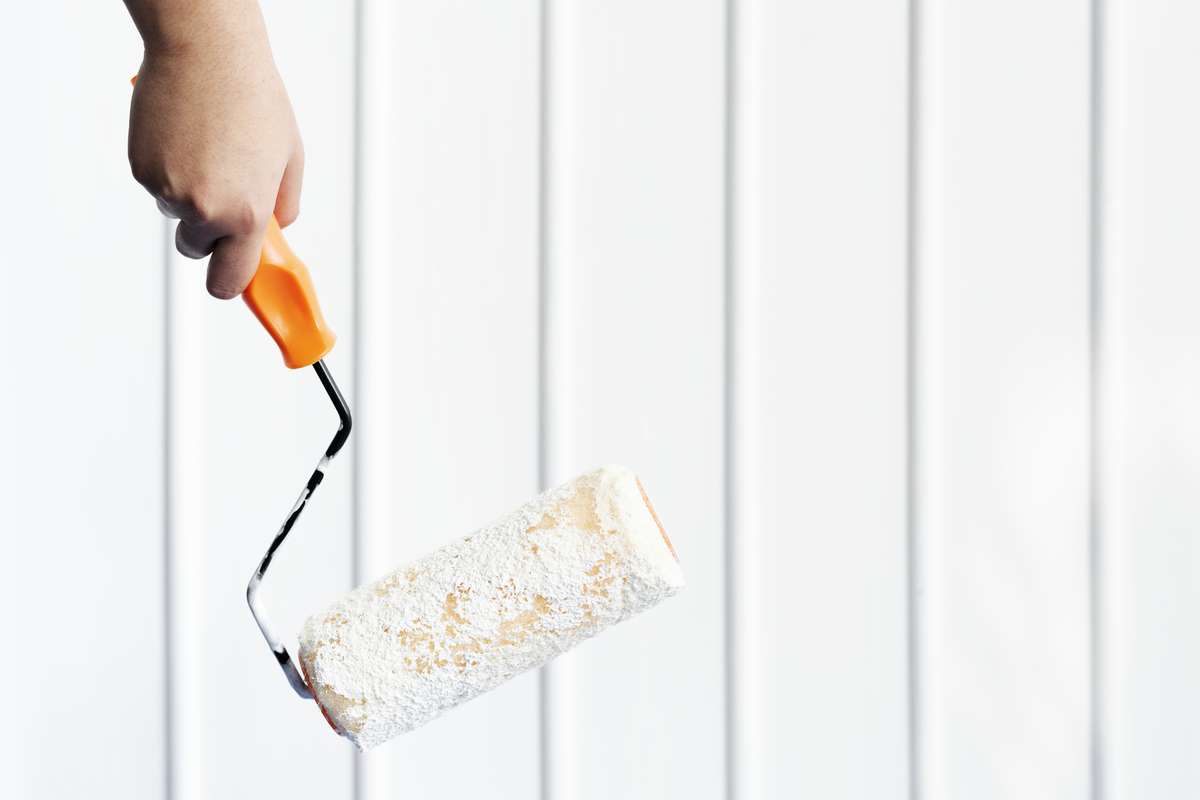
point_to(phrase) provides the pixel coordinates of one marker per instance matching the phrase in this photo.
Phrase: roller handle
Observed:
(282, 296)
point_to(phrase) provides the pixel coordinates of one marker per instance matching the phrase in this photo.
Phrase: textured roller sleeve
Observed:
(392, 655)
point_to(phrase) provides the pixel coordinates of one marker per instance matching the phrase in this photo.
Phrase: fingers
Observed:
(233, 239)
(287, 202)
(233, 263)
(195, 240)
(228, 230)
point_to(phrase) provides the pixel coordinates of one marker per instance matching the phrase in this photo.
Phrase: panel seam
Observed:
(729, 168)
(357, 776)
(545, 709)
(1095, 400)
(168, 456)
(912, 397)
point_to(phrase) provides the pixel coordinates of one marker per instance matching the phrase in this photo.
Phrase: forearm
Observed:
(172, 25)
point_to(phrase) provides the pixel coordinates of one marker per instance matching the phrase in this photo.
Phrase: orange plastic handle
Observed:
(282, 296)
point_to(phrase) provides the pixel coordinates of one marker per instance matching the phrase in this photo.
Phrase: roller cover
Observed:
(392, 655)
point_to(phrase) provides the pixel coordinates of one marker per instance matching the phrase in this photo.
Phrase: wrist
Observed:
(169, 27)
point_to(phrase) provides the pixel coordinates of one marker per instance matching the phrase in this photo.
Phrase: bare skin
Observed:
(212, 135)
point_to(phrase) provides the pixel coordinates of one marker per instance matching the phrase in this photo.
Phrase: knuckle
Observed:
(149, 173)
(144, 174)
(168, 196)
(203, 202)
(247, 218)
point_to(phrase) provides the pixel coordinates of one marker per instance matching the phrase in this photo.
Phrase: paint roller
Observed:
(394, 654)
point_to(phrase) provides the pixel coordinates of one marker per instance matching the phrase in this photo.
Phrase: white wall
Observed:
(890, 304)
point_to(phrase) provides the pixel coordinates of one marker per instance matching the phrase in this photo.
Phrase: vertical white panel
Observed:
(748, 706)
(1003, 399)
(264, 428)
(372, 394)
(635, 139)
(81, 496)
(1152, 333)
(185, 531)
(450, 367)
(819, 420)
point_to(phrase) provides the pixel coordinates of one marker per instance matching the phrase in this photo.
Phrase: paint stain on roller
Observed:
(577, 511)
(339, 705)
(601, 571)
(450, 610)
(388, 585)
(443, 652)
(516, 630)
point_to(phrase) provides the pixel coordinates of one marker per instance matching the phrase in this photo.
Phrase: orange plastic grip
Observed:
(281, 295)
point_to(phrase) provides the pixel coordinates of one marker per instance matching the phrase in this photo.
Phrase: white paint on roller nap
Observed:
(451, 283)
(819, 422)
(393, 655)
(1151, 285)
(81, 407)
(634, 131)
(1002, 276)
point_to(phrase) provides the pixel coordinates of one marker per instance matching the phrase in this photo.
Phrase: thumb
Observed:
(287, 202)
(233, 264)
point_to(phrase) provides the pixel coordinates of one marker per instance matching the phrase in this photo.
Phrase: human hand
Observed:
(212, 135)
